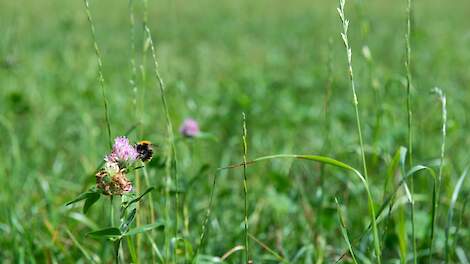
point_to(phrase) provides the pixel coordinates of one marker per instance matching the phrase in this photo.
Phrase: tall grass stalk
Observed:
(344, 35)
(408, 84)
(143, 62)
(245, 188)
(139, 111)
(132, 57)
(105, 101)
(134, 88)
(410, 122)
(171, 161)
(100, 71)
(443, 100)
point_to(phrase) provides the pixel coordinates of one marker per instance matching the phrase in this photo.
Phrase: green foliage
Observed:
(283, 65)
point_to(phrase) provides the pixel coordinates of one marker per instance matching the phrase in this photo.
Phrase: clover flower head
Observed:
(189, 128)
(111, 167)
(123, 151)
(118, 184)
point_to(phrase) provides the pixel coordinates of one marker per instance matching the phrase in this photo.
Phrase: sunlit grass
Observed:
(381, 179)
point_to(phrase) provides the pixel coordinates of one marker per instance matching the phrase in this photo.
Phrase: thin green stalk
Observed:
(151, 206)
(206, 220)
(111, 205)
(271, 251)
(408, 84)
(132, 251)
(117, 246)
(344, 35)
(344, 231)
(410, 122)
(245, 188)
(140, 110)
(143, 64)
(116, 243)
(133, 85)
(171, 161)
(147, 182)
(186, 229)
(443, 100)
(82, 249)
(100, 72)
(132, 55)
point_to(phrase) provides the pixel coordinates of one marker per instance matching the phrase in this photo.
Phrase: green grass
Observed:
(284, 66)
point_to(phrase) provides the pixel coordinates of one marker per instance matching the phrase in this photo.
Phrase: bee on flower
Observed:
(145, 150)
(112, 179)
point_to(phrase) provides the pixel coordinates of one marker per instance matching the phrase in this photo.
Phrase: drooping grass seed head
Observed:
(189, 128)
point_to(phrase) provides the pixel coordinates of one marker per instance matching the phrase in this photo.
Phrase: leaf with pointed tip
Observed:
(145, 228)
(109, 232)
(135, 200)
(129, 219)
(83, 196)
(92, 199)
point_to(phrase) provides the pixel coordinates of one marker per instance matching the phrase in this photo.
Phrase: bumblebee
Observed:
(145, 150)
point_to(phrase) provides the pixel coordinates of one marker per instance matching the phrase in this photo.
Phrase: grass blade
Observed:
(344, 231)
(264, 246)
(450, 214)
(82, 249)
(329, 161)
(109, 232)
(206, 220)
(144, 228)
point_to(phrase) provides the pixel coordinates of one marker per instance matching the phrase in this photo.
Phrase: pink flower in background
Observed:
(122, 151)
(189, 128)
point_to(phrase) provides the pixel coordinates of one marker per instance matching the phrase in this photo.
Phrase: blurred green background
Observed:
(282, 63)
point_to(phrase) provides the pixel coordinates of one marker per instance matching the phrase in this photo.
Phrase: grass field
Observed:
(285, 66)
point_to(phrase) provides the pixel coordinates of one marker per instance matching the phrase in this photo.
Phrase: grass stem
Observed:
(171, 161)
(344, 36)
(443, 100)
(410, 122)
(100, 72)
(245, 188)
